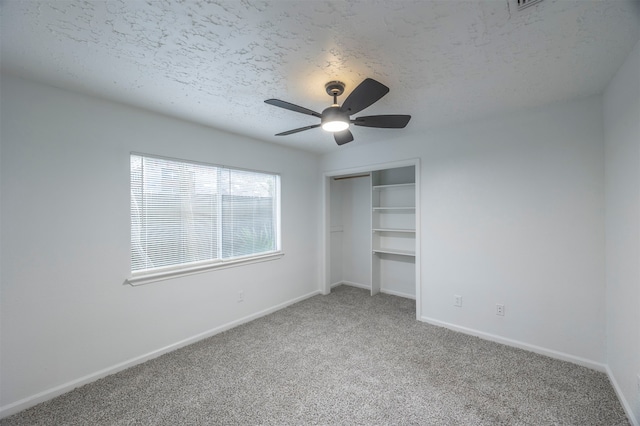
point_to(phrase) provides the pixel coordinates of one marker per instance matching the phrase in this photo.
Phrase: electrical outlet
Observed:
(457, 300)
(500, 309)
(240, 296)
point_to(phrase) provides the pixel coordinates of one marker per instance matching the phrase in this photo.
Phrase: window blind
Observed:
(184, 213)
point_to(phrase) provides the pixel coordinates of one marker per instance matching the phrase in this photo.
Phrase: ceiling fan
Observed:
(336, 118)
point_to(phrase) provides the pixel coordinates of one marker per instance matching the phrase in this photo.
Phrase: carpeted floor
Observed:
(347, 358)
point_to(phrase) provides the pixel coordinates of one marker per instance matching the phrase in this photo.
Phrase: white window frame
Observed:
(168, 272)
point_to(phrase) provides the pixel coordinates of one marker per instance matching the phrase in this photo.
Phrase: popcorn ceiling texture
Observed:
(215, 62)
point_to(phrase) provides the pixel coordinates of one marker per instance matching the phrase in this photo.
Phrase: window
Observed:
(189, 216)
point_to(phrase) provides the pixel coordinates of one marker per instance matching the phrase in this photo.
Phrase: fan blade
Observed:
(383, 121)
(367, 92)
(292, 107)
(301, 129)
(343, 137)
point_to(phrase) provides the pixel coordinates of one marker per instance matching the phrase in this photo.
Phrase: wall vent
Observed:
(522, 4)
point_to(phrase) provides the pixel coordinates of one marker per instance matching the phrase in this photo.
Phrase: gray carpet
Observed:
(347, 358)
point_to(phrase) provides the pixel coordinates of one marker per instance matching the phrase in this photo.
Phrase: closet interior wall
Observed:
(350, 198)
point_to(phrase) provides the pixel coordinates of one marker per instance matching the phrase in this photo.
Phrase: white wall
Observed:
(512, 212)
(622, 178)
(65, 312)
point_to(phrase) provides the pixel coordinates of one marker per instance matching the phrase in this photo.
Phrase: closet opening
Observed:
(371, 225)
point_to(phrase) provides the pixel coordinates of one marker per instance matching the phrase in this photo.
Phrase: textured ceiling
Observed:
(215, 62)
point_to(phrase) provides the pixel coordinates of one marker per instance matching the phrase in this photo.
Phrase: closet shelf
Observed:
(397, 185)
(409, 253)
(410, 231)
(395, 208)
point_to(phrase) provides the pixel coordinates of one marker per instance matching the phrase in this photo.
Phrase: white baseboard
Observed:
(518, 344)
(368, 287)
(353, 284)
(48, 394)
(625, 404)
(398, 293)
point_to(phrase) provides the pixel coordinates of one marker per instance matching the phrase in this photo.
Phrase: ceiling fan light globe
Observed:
(334, 119)
(335, 126)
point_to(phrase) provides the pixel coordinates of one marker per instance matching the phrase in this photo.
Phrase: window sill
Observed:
(150, 277)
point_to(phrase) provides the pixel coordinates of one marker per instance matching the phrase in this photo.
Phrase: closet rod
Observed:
(351, 177)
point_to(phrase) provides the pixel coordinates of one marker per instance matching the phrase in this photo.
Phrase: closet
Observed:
(372, 235)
